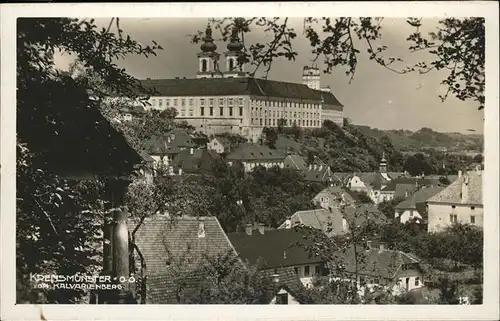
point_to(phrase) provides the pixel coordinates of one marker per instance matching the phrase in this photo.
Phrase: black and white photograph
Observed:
(227, 160)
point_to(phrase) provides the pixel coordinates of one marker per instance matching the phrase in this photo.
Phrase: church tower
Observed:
(233, 66)
(383, 164)
(311, 77)
(208, 58)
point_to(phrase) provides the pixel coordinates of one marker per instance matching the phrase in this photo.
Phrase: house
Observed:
(254, 155)
(131, 112)
(174, 247)
(272, 250)
(164, 148)
(318, 173)
(332, 222)
(404, 186)
(391, 269)
(195, 161)
(415, 206)
(333, 196)
(288, 286)
(220, 145)
(461, 201)
(296, 162)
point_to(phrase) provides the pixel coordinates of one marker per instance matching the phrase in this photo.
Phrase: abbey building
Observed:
(228, 100)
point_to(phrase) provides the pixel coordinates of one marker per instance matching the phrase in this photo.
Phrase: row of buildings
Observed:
(231, 101)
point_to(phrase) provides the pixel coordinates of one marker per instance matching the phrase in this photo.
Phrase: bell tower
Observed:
(233, 66)
(311, 77)
(383, 164)
(208, 58)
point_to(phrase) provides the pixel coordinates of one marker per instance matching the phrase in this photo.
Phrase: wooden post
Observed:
(120, 254)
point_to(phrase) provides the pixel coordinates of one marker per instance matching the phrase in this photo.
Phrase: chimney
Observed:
(248, 229)
(369, 244)
(310, 167)
(315, 166)
(191, 151)
(168, 139)
(406, 194)
(288, 223)
(201, 229)
(284, 254)
(459, 174)
(320, 167)
(180, 171)
(261, 228)
(381, 246)
(465, 189)
(344, 224)
(276, 277)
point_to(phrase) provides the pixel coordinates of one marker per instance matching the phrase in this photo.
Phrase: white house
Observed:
(461, 201)
(414, 207)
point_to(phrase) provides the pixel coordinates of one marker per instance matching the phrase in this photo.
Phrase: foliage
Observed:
(271, 136)
(457, 47)
(388, 208)
(417, 165)
(56, 219)
(58, 224)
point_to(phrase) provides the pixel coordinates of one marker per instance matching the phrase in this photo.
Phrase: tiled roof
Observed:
(391, 186)
(316, 175)
(364, 213)
(287, 279)
(223, 141)
(295, 162)
(338, 193)
(255, 152)
(238, 86)
(404, 190)
(199, 160)
(179, 138)
(420, 196)
(453, 193)
(379, 263)
(321, 219)
(330, 102)
(165, 242)
(273, 249)
(171, 143)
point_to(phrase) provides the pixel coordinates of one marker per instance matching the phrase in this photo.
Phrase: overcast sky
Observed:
(376, 97)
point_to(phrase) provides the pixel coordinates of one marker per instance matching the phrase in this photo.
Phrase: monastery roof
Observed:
(240, 86)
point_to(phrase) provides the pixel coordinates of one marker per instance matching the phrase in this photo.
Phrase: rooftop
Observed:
(239, 86)
(273, 249)
(420, 196)
(255, 152)
(452, 194)
(330, 222)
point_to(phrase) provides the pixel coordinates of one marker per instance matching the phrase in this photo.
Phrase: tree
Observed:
(444, 180)
(417, 165)
(57, 220)
(389, 207)
(457, 46)
(271, 137)
(281, 124)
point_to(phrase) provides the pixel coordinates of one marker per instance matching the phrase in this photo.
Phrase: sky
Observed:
(376, 97)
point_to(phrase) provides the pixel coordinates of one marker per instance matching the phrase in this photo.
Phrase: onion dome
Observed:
(208, 44)
(235, 44)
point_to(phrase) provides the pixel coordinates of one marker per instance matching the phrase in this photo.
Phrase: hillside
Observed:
(405, 140)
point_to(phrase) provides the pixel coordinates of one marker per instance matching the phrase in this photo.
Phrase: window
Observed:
(202, 111)
(211, 102)
(211, 111)
(241, 111)
(282, 298)
(167, 102)
(175, 102)
(221, 101)
(472, 207)
(473, 219)
(221, 111)
(306, 271)
(296, 270)
(183, 102)
(160, 102)
(231, 64)
(191, 102)
(230, 111)
(417, 281)
(317, 270)
(453, 218)
(453, 206)
(204, 66)
(202, 102)
(240, 101)
(230, 101)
